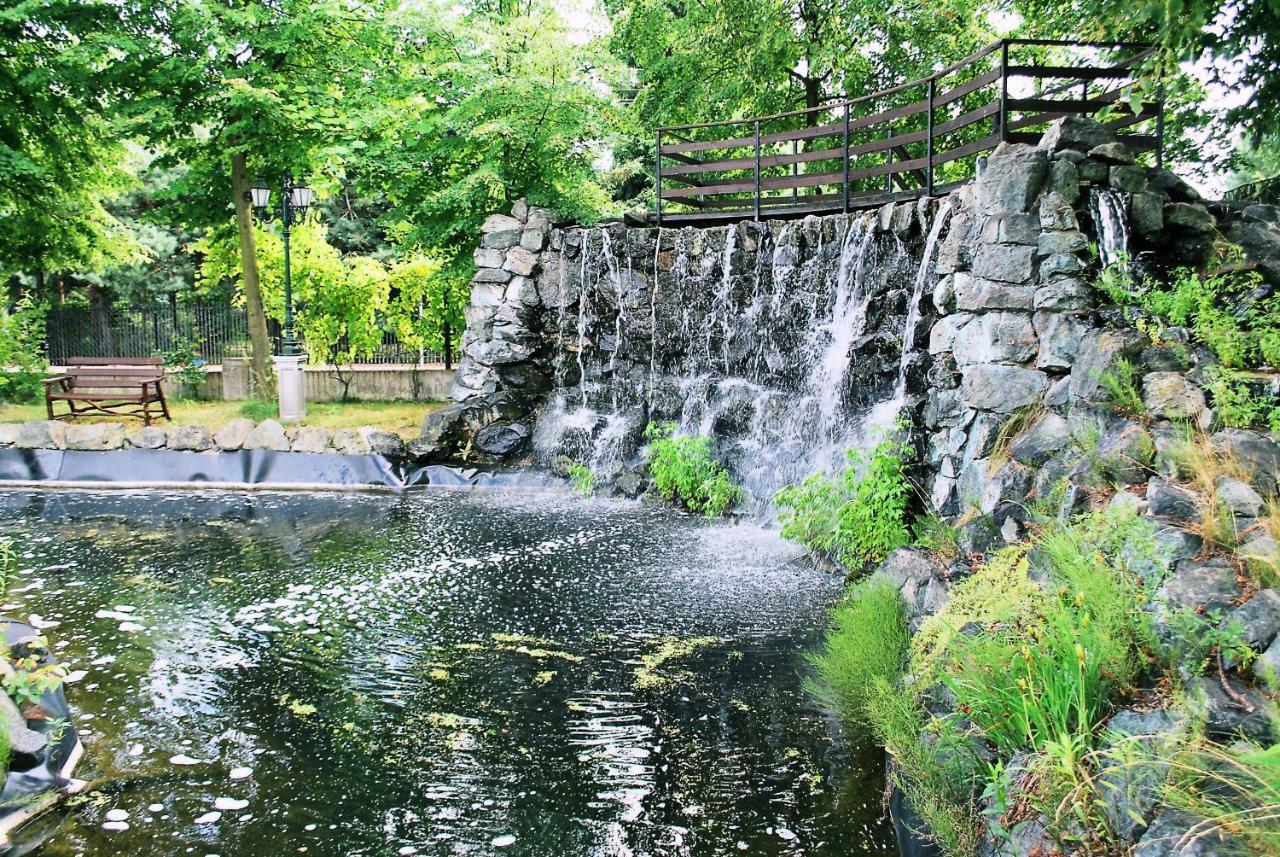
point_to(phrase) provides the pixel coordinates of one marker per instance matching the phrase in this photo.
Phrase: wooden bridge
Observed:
(921, 138)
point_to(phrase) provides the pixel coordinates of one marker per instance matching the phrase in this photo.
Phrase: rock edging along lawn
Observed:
(236, 435)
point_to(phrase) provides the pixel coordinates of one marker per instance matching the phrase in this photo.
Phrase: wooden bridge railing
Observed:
(919, 138)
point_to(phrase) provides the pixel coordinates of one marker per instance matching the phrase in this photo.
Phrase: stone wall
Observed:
(236, 435)
(1010, 319)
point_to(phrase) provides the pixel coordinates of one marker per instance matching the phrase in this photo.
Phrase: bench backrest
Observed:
(112, 373)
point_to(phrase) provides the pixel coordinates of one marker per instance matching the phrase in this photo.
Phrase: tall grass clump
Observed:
(1235, 791)
(860, 674)
(685, 472)
(857, 515)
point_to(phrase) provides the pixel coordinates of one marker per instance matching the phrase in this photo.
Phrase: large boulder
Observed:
(268, 434)
(95, 436)
(921, 581)
(1170, 396)
(1012, 179)
(232, 436)
(1131, 776)
(350, 442)
(502, 439)
(1258, 618)
(1200, 586)
(313, 439)
(388, 444)
(1233, 710)
(1099, 351)
(42, 434)
(149, 437)
(1258, 454)
(1002, 389)
(1048, 435)
(190, 438)
(1076, 132)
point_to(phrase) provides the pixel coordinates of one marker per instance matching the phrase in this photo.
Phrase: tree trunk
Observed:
(259, 343)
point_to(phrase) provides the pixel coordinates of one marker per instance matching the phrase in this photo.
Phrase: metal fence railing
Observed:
(217, 330)
(922, 138)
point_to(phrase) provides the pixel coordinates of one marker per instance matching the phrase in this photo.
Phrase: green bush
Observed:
(1236, 402)
(22, 361)
(685, 472)
(858, 515)
(1216, 306)
(1120, 383)
(583, 478)
(184, 357)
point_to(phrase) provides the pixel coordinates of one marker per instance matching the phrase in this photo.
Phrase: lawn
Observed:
(404, 418)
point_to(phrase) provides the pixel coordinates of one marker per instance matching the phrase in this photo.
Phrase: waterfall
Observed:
(767, 336)
(1111, 220)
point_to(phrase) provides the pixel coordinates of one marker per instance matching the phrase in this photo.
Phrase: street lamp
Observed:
(294, 202)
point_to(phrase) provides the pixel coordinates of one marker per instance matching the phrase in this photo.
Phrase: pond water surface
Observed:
(435, 673)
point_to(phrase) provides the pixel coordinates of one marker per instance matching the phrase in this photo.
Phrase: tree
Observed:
(239, 91)
(1238, 44)
(493, 102)
(60, 154)
(757, 57)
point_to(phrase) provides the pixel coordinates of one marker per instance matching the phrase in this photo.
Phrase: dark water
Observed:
(436, 673)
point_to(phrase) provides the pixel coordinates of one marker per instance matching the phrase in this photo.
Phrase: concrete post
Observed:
(290, 383)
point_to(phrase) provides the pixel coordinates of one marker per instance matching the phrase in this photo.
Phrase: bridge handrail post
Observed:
(757, 182)
(1004, 90)
(657, 177)
(933, 82)
(844, 208)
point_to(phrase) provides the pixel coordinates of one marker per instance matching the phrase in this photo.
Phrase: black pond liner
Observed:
(35, 784)
(249, 468)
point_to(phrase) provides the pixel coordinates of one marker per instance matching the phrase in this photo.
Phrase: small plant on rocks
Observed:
(684, 471)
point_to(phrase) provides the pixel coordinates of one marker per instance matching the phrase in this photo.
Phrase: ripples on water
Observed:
(436, 673)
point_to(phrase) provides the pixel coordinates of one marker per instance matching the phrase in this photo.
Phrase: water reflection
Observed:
(436, 673)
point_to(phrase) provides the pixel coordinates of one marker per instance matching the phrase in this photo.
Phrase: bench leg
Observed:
(48, 405)
(164, 406)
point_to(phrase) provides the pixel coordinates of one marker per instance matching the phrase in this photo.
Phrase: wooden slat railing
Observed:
(916, 139)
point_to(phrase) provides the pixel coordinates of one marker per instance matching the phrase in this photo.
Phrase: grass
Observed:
(867, 642)
(403, 418)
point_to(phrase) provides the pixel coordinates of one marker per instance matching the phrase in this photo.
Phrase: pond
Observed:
(436, 673)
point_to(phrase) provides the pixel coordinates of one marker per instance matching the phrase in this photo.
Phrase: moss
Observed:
(648, 674)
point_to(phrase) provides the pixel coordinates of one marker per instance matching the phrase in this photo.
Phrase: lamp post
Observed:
(294, 202)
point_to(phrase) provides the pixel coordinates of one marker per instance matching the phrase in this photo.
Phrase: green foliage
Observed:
(22, 362)
(185, 357)
(29, 679)
(931, 533)
(860, 674)
(684, 471)
(857, 515)
(583, 478)
(865, 644)
(258, 410)
(1043, 665)
(1218, 306)
(8, 561)
(1120, 383)
(1237, 403)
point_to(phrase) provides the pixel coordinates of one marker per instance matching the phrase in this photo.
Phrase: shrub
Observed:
(185, 357)
(1120, 383)
(258, 410)
(858, 515)
(685, 471)
(1038, 668)
(583, 478)
(1216, 306)
(934, 535)
(1237, 404)
(22, 362)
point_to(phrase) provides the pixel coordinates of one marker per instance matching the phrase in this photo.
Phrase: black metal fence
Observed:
(217, 330)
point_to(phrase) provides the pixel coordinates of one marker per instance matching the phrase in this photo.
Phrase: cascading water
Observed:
(776, 338)
(1107, 207)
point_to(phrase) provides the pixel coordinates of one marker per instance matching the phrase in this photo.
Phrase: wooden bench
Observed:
(108, 386)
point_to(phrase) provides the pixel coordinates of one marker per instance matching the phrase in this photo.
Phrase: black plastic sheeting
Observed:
(250, 467)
